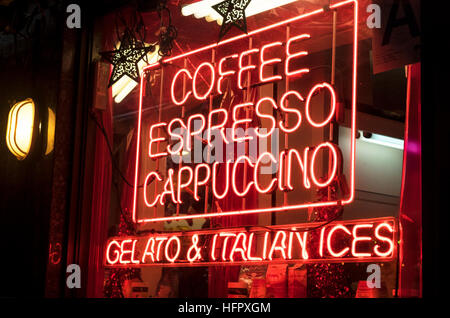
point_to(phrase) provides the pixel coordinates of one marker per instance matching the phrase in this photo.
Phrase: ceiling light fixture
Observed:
(203, 9)
(382, 140)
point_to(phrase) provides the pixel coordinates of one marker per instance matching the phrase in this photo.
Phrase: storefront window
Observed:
(263, 164)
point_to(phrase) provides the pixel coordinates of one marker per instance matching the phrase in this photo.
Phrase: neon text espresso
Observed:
(372, 239)
(185, 85)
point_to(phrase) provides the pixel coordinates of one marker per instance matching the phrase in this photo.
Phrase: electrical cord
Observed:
(167, 33)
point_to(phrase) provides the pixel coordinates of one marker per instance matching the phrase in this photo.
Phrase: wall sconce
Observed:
(20, 131)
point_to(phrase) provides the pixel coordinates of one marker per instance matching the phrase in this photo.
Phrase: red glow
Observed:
(281, 179)
(116, 252)
(124, 251)
(295, 111)
(194, 252)
(246, 68)
(332, 108)
(180, 184)
(160, 241)
(302, 240)
(278, 246)
(213, 247)
(233, 178)
(156, 140)
(242, 239)
(211, 84)
(218, 126)
(168, 189)
(151, 253)
(270, 117)
(330, 235)
(151, 175)
(384, 239)
(272, 184)
(198, 183)
(249, 34)
(214, 181)
(266, 242)
(222, 74)
(249, 249)
(225, 243)
(177, 136)
(191, 133)
(331, 177)
(237, 122)
(354, 87)
(321, 242)
(172, 87)
(303, 167)
(133, 260)
(293, 207)
(178, 249)
(357, 239)
(268, 62)
(240, 245)
(290, 56)
(240, 212)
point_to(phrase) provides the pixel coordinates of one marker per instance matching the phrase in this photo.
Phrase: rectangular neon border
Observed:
(242, 36)
(395, 236)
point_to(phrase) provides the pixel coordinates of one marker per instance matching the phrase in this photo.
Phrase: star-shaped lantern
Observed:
(233, 13)
(126, 58)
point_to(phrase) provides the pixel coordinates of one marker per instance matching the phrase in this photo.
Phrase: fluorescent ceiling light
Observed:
(203, 9)
(384, 141)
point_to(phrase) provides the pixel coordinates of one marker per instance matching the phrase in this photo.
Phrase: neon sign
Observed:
(349, 241)
(206, 80)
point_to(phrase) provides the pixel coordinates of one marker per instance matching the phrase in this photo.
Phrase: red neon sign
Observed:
(349, 241)
(186, 85)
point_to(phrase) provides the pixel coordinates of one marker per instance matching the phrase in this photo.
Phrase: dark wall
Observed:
(45, 200)
(435, 114)
(29, 68)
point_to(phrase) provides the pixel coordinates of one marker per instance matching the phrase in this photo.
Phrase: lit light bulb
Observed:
(19, 132)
